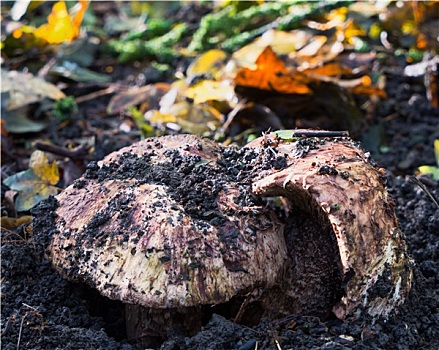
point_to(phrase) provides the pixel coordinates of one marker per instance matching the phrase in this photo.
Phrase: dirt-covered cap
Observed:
(168, 222)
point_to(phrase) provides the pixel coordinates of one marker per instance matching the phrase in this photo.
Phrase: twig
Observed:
(318, 133)
(276, 340)
(45, 70)
(77, 153)
(31, 307)
(233, 114)
(424, 188)
(109, 90)
(289, 134)
(20, 331)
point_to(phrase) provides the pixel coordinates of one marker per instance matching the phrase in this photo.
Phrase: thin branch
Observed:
(425, 189)
(19, 333)
(318, 133)
(77, 153)
(276, 340)
(93, 95)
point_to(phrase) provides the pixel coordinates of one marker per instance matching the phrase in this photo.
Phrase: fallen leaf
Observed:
(17, 121)
(47, 173)
(149, 94)
(209, 64)
(60, 26)
(429, 170)
(186, 117)
(77, 73)
(329, 70)
(209, 90)
(24, 89)
(281, 42)
(36, 183)
(12, 223)
(271, 74)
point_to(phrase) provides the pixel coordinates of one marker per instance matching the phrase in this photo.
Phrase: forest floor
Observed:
(41, 310)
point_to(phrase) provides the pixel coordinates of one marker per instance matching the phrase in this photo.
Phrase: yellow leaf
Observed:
(12, 223)
(155, 116)
(186, 117)
(208, 90)
(79, 16)
(429, 170)
(60, 26)
(209, 63)
(352, 30)
(48, 173)
(34, 184)
(281, 42)
(436, 151)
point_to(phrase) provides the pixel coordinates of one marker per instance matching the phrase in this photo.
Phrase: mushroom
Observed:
(335, 178)
(176, 226)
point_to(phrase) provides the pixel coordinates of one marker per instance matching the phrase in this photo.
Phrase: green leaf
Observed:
(29, 198)
(429, 170)
(74, 72)
(284, 134)
(17, 121)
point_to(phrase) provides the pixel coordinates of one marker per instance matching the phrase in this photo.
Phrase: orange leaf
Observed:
(330, 70)
(271, 74)
(268, 60)
(4, 130)
(79, 16)
(369, 90)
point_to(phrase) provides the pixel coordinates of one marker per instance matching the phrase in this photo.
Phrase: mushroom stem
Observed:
(149, 327)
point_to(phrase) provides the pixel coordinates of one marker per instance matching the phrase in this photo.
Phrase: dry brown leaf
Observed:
(150, 94)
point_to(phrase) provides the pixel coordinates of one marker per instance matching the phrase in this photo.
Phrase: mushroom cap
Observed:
(168, 222)
(336, 176)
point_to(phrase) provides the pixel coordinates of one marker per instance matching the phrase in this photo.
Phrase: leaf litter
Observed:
(36, 183)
